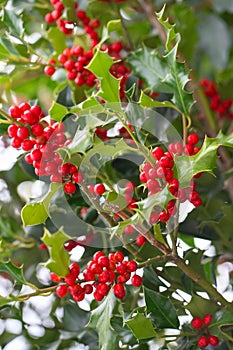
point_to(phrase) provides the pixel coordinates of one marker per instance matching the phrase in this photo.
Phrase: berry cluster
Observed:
(161, 173)
(207, 338)
(222, 107)
(41, 140)
(74, 59)
(100, 275)
(32, 133)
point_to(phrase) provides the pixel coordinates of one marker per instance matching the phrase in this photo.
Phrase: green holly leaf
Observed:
(36, 212)
(113, 25)
(146, 101)
(141, 327)
(222, 323)
(151, 68)
(101, 321)
(199, 306)
(57, 111)
(109, 85)
(169, 28)
(59, 258)
(163, 311)
(177, 80)
(14, 271)
(203, 161)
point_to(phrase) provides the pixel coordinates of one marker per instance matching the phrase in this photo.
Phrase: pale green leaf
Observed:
(109, 85)
(57, 111)
(59, 258)
(141, 327)
(36, 212)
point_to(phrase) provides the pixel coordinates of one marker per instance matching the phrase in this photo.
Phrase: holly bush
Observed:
(116, 174)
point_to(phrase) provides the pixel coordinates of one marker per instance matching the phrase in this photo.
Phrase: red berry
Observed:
(49, 70)
(132, 266)
(36, 110)
(27, 145)
(95, 268)
(28, 159)
(213, 340)
(136, 280)
(88, 275)
(98, 296)
(103, 288)
(88, 289)
(99, 189)
(15, 112)
(140, 240)
(197, 322)
(121, 269)
(69, 188)
(103, 261)
(24, 106)
(81, 14)
(77, 177)
(143, 177)
(164, 162)
(104, 277)
(157, 153)
(193, 139)
(74, 269)
(55, 278)
(207, 319)
(12, 130)
(77, 292)
(97, 255)
(49, 18)
(164, 216)
(70, 245)
(70, 279)
(203, 341)
(37, 129)
(94, 23)
(119, 256)
(119, 290)
(36, 155)
(62, 291)
(117, 46)
(129, 230)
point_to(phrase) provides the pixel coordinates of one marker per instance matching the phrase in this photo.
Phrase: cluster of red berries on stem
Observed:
(161, 173)
(74, 59)
(221, 107)
(100, 275)
(31, 133)
(41, 140)
(206, 338)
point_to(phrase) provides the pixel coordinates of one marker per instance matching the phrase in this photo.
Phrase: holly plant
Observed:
(116, 175)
